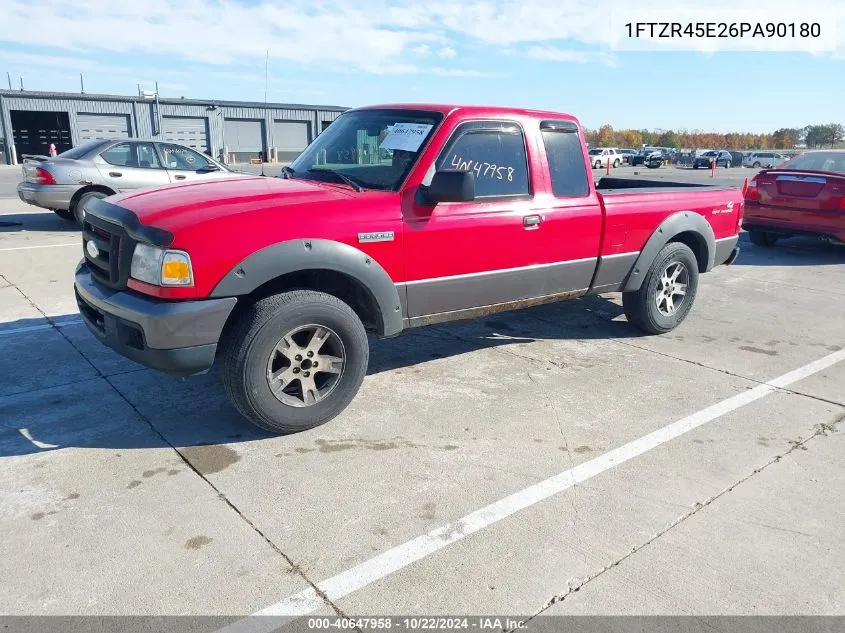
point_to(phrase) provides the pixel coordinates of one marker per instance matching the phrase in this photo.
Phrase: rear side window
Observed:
(495, 152)
(566, 164)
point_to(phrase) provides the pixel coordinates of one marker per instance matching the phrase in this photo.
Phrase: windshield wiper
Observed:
(347, 179)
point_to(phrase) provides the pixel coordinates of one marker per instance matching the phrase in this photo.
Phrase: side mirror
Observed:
(210, 167)
(451, 186)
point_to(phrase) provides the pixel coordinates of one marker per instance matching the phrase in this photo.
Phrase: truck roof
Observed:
(472, 110)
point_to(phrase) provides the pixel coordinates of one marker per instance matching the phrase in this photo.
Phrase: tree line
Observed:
(811, 136)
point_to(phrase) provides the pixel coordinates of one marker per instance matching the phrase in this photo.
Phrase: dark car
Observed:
(659, 156)
(722, 158)
(805, 196)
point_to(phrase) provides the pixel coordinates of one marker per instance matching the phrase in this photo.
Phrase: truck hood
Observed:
(174, 207)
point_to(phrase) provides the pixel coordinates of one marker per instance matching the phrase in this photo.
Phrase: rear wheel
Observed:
(64, 214)
(667, 293)
(757, 164)
(79, 207)
(763, 238)
(294, 361)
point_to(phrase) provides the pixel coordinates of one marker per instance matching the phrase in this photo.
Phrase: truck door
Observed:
(489, 251)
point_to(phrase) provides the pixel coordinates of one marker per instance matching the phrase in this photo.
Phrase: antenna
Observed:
(266, 70)
(9, 78)
(21, 82)
(82, 83)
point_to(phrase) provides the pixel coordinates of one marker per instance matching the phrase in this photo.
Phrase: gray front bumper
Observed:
(177, 337)
(47, 196)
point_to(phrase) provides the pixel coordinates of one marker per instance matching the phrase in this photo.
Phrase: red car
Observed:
(805, 196)
(395, 217)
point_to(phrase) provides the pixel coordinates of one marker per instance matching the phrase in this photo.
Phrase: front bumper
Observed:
(47, 196)
(176, 337)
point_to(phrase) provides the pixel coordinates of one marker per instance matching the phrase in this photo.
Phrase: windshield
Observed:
(81, 150)
(819, 161)
(710, 154)
(374, 148)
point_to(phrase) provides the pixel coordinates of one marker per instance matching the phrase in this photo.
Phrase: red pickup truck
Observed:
(396, 216)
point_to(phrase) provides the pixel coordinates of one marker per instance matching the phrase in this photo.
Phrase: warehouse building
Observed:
(232, 131)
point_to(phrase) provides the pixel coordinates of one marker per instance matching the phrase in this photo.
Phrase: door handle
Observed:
(531, 221)
(179, 177)
(115, 174)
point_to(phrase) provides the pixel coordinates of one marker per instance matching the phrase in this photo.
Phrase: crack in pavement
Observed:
(730, 373)
(294, 567)
(576, 584)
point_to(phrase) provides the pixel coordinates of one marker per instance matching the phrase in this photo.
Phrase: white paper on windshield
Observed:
(406, 136)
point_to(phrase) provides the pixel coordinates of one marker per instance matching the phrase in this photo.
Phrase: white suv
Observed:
(767, 160)
(601, 156)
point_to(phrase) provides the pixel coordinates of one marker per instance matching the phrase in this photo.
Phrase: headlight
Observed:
(161, 267)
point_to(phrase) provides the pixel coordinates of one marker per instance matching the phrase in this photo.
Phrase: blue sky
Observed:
(531, 53)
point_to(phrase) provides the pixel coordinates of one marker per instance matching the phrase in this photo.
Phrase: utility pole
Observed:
(21, 83)
(9, 78)
(82, 83)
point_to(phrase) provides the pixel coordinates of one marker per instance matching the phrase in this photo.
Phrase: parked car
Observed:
(601, 156)
(767, 160)
(658, 157)
(282, 279)
(626, 154)
(722, 158)
(805, 196)
(737, 158)
(640, 157)
(100, 168)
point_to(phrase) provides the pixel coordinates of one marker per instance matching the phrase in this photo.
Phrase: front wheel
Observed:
(597, 164)
(294, 361)
(762, 238)
(667, 293)
(79, 207)
(616, 163)
(757, 165)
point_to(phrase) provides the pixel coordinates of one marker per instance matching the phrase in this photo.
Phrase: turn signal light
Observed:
(751, 192)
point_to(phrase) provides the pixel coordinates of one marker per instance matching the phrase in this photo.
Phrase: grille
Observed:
(112, 264)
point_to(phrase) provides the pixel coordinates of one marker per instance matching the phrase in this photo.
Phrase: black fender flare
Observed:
(316, 254)
(677, 223)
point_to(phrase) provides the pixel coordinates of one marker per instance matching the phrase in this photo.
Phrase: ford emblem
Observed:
(92, 249)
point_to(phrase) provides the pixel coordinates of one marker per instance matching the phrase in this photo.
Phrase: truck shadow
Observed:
(103, 401)
(41, 222)
(794, 251)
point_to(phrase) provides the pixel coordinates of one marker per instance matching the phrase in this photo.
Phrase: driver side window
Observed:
(495, 151)
(178, 157)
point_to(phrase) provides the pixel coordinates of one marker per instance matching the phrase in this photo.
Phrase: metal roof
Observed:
(35, 94)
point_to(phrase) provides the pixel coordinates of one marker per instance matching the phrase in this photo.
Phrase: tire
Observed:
(616, 163)
(79, 207)
(641, 306)
(249, 356)
(64, 214)
(597, 164)
(762, 238)
(694, 166)
(757, 164)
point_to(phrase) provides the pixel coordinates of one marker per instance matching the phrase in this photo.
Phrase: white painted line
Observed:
(26, 248)
(45, 326)
(401, 556)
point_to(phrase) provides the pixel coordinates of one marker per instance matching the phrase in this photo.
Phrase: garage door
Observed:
(190, 131)
(290, 138)
(93, 126)
(244, 138)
